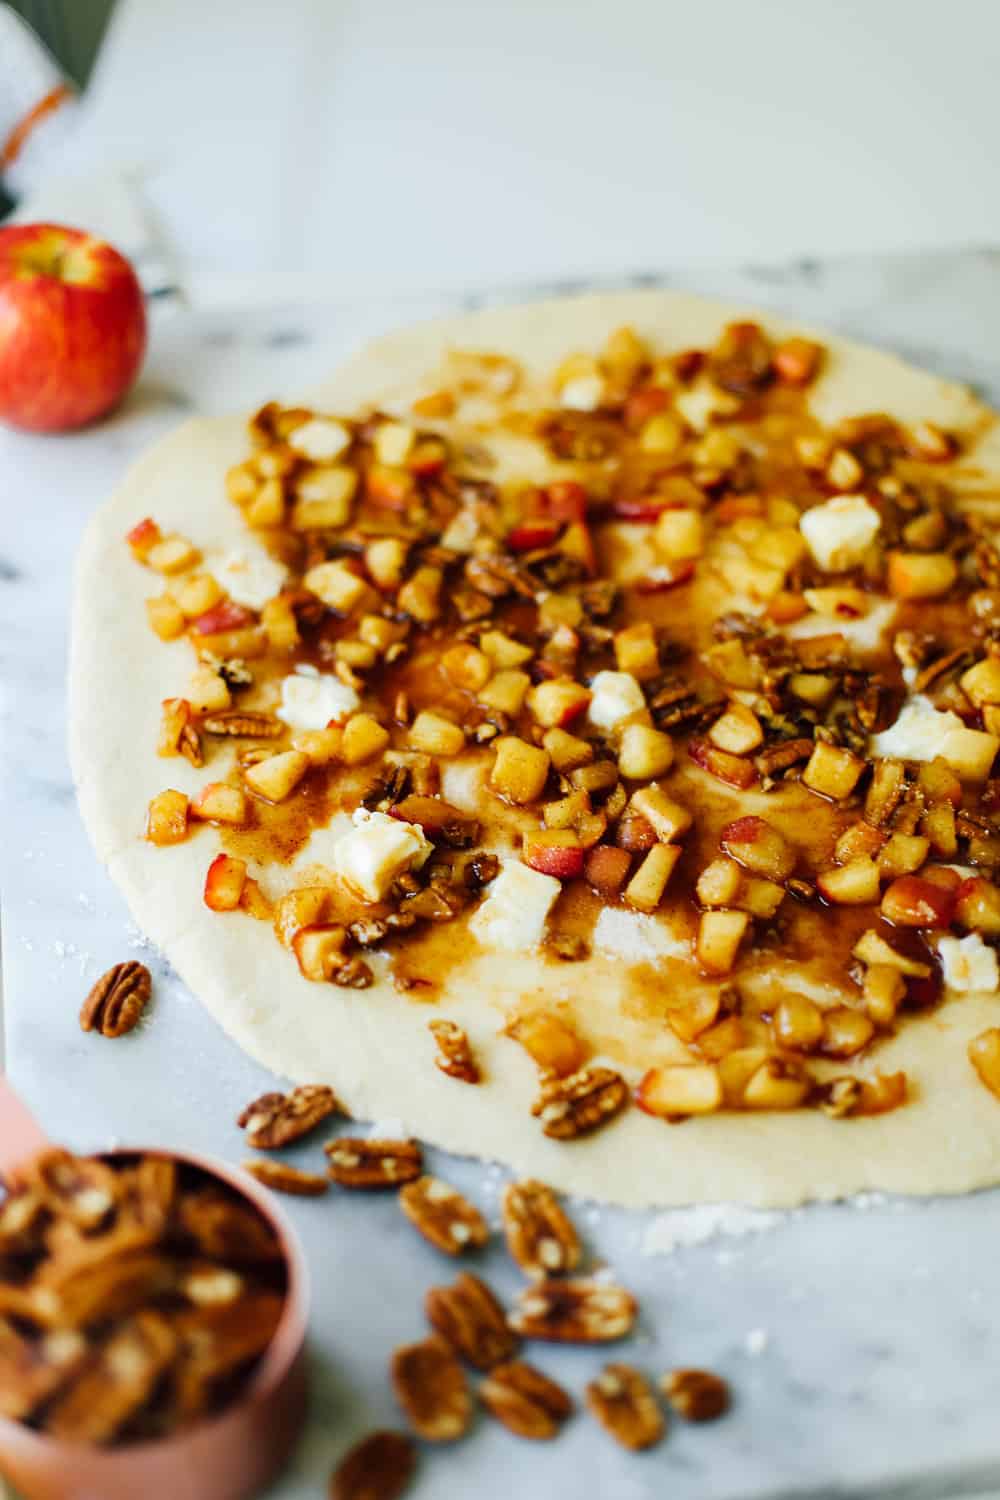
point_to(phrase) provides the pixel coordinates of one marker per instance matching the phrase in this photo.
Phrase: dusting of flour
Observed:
(679, 1227)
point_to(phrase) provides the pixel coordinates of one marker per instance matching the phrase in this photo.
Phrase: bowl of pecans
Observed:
(153, 1312)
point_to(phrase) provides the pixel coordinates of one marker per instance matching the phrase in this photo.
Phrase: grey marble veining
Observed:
(861, 1344)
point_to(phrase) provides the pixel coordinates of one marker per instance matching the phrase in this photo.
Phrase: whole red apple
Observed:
(72, 327)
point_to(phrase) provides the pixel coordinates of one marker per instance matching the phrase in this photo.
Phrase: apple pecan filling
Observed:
(641, 658)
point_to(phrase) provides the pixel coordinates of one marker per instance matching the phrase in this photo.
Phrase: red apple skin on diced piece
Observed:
(224, 883)
(977, 905)
(228, 615)
(641, 509)
(607, 869)
(143, 536)
(642, 404)
(528, 535)
(578, 542)
(753, 843)
(912, 901)
(554, 852)
(732, 769)
(669, 576)
(565, 500)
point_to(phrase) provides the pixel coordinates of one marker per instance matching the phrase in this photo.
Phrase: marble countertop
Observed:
(857, 1337)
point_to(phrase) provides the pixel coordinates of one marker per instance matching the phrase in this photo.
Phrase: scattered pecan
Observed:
(281, 1178)
(839, 1097)
(355, 1162)
(472, 1321)
(443, 1215)
(480, 870)
(540, 1236)
(696, 1395)
(584, 1101)
(275, 1120)
(117, 1000)
(353, 974)
(623, 1402)
(527, 1402)
(379, 1467)
(454, 1052)
(431, 1388)
(573, 1312)
(246, 724)
(189, 745)
(778, 758)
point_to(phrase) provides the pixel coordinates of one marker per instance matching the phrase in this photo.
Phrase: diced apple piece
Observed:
(196, 594)
(143, 537)
(167, 818)
(761, 898)
(839, 603)
(977, 906)
(860, 840)
(645, 890)
(267, 507)
(389, 487)
(662, 434)
(255, 903)
(503, 650)
(550, 1043)
(871, 948)
(882, 1093)
(435, 735)
(797, 360)
(730, 662)
(362, 738)
(219, 803)
(938, 825)
(319, 951)
(719, 936)
(920, 575)
(971, 752)
(692, 1015)
(378, 633)
(776, 1085)
(207, 692)
(172, 555)
(914, 901)
(224, 882)
(174, 720)
(323, 498)
(883, 990)
(938, 782)
(607, 869)
(568, 752)
(338, 586)
(680, 1090)
(719, 883)
(981, 683)
(680, 534)
(505, 692)
(734, 770)
(797, 1023)
(467, 666)
(420, 596)
(519, 771)
(565, 812)
(853, 884)
(637, 652)
(758, 847)
(984, 1055)
(726, 1036)
(224, 617)
(845, 1031)
(554, 851)
(165, 617)
(385, 559)
(832, 771)
(393, 443)
(600, 776)
(300, 908)
(321, 745)
(812, 687)
(669, 818)
(277, 777)
(280, 625)
(558, 702)
(736, 1068)
(644, 752)
(738, 731)
(902, 854)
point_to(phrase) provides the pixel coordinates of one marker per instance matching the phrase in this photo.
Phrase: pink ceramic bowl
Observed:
(232, 1456)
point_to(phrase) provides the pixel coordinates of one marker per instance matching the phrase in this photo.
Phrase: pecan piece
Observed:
(431, 1388)
(275, 1120)
(584, 1101)
(281, 1178)
(117, 1000)
(540, 1237)
(79, 1189)
(379, 1467)
(22, 1220)
(623, 1402)
(573, 1312)
(472, 1321)
(246, 724)
(358, 1163)
(118, 1384)
(527, 1402)
(454, 1052)
(33, 1371)
(443, 1216)
(696, 1395)
(225, 1228)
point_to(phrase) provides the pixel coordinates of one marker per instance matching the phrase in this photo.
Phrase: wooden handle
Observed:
(21, 1136)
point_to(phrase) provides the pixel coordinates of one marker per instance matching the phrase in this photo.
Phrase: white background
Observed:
(397, 144)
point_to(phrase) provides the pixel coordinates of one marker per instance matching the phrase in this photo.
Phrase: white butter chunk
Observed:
(615, 696)
(321, 440)
(923, 732)
(968, 964)
(583, 393)
(839, 532)
(515, 909)
(376, 852)
(311, 699)
(251, 578)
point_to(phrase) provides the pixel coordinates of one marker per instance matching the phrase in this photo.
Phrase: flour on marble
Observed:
(678, 1228)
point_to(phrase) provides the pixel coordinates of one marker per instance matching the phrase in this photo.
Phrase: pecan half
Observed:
(246, 724)
(527, 1402)
(274, 1120)
(573, 1312)
(32, 1371)
(431, 1388)
(539, 1235)
(118, 1384)
(22, 1222)
(443, 1216)
(696, 1395)
(358, 1163)
(623, 1402)
(379, 1467)
(454, 1052)
(117, 1000)
(584, 1101)
(81, 1190)
(472, 1321)
(224, 1228)
(281, 1178)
